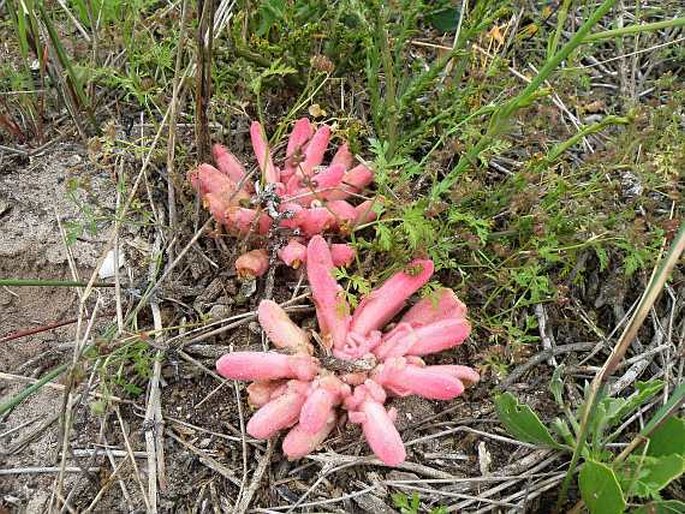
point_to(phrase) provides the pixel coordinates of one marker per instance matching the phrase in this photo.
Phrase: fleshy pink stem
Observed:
(366, 408)
(433, 382)
(281, 412)
(382, 304)
(267, 366)
(332, 310)
(280, 329)
(263, 154)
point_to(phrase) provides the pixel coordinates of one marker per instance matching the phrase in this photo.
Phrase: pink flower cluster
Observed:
(363, 365)
(301, 196)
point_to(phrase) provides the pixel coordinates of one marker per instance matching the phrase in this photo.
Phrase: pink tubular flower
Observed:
(366, 408)
(332, 310)
(342, 254)
(261, 392)
(381, 305)
(438, 305)
(325, 394)
(267, 366)
(280, 329)
(299, 442)
(291, 200)
(294, 254)
(281, 412)
(244, 221)
(402, 377)
(432, 338)
(301, 134)
(344, 156)
(307, 396)
(228, 164)
(263, 154)
(354, 181)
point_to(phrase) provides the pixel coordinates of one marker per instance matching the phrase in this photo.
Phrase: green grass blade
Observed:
(635, 29)
(561, 20)
(672, 405)
(559, 149)
(28, 391)
(75, 85)
(501, 117)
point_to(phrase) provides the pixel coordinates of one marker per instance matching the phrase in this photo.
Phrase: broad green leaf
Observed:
(600, 489)
(643, 476)
(445, 20)
(521, 421)
(662, 470)
(661, 507)
(668, 439)
(677, 397)
(645, 391)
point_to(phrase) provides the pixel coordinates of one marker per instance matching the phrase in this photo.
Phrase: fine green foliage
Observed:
(412, 504)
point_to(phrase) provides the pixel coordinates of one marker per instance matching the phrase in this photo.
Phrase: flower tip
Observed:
(252, 264)
(342, 254)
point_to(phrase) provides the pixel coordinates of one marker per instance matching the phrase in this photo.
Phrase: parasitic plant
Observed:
(295, 390)
(300, 198)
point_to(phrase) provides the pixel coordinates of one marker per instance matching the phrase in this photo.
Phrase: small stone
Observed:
(219, 311)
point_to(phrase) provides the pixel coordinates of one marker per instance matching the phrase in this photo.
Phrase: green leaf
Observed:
(661, 507)
(521, 421)
(645, 391)
(668, 439)
(405, 504)
(562, 429)
(445, 20)
(661, 471)
(600, 489)
(643, 476)
(677, 397)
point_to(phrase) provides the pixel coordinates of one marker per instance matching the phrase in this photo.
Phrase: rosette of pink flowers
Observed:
(308, 396)
(301, 197)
